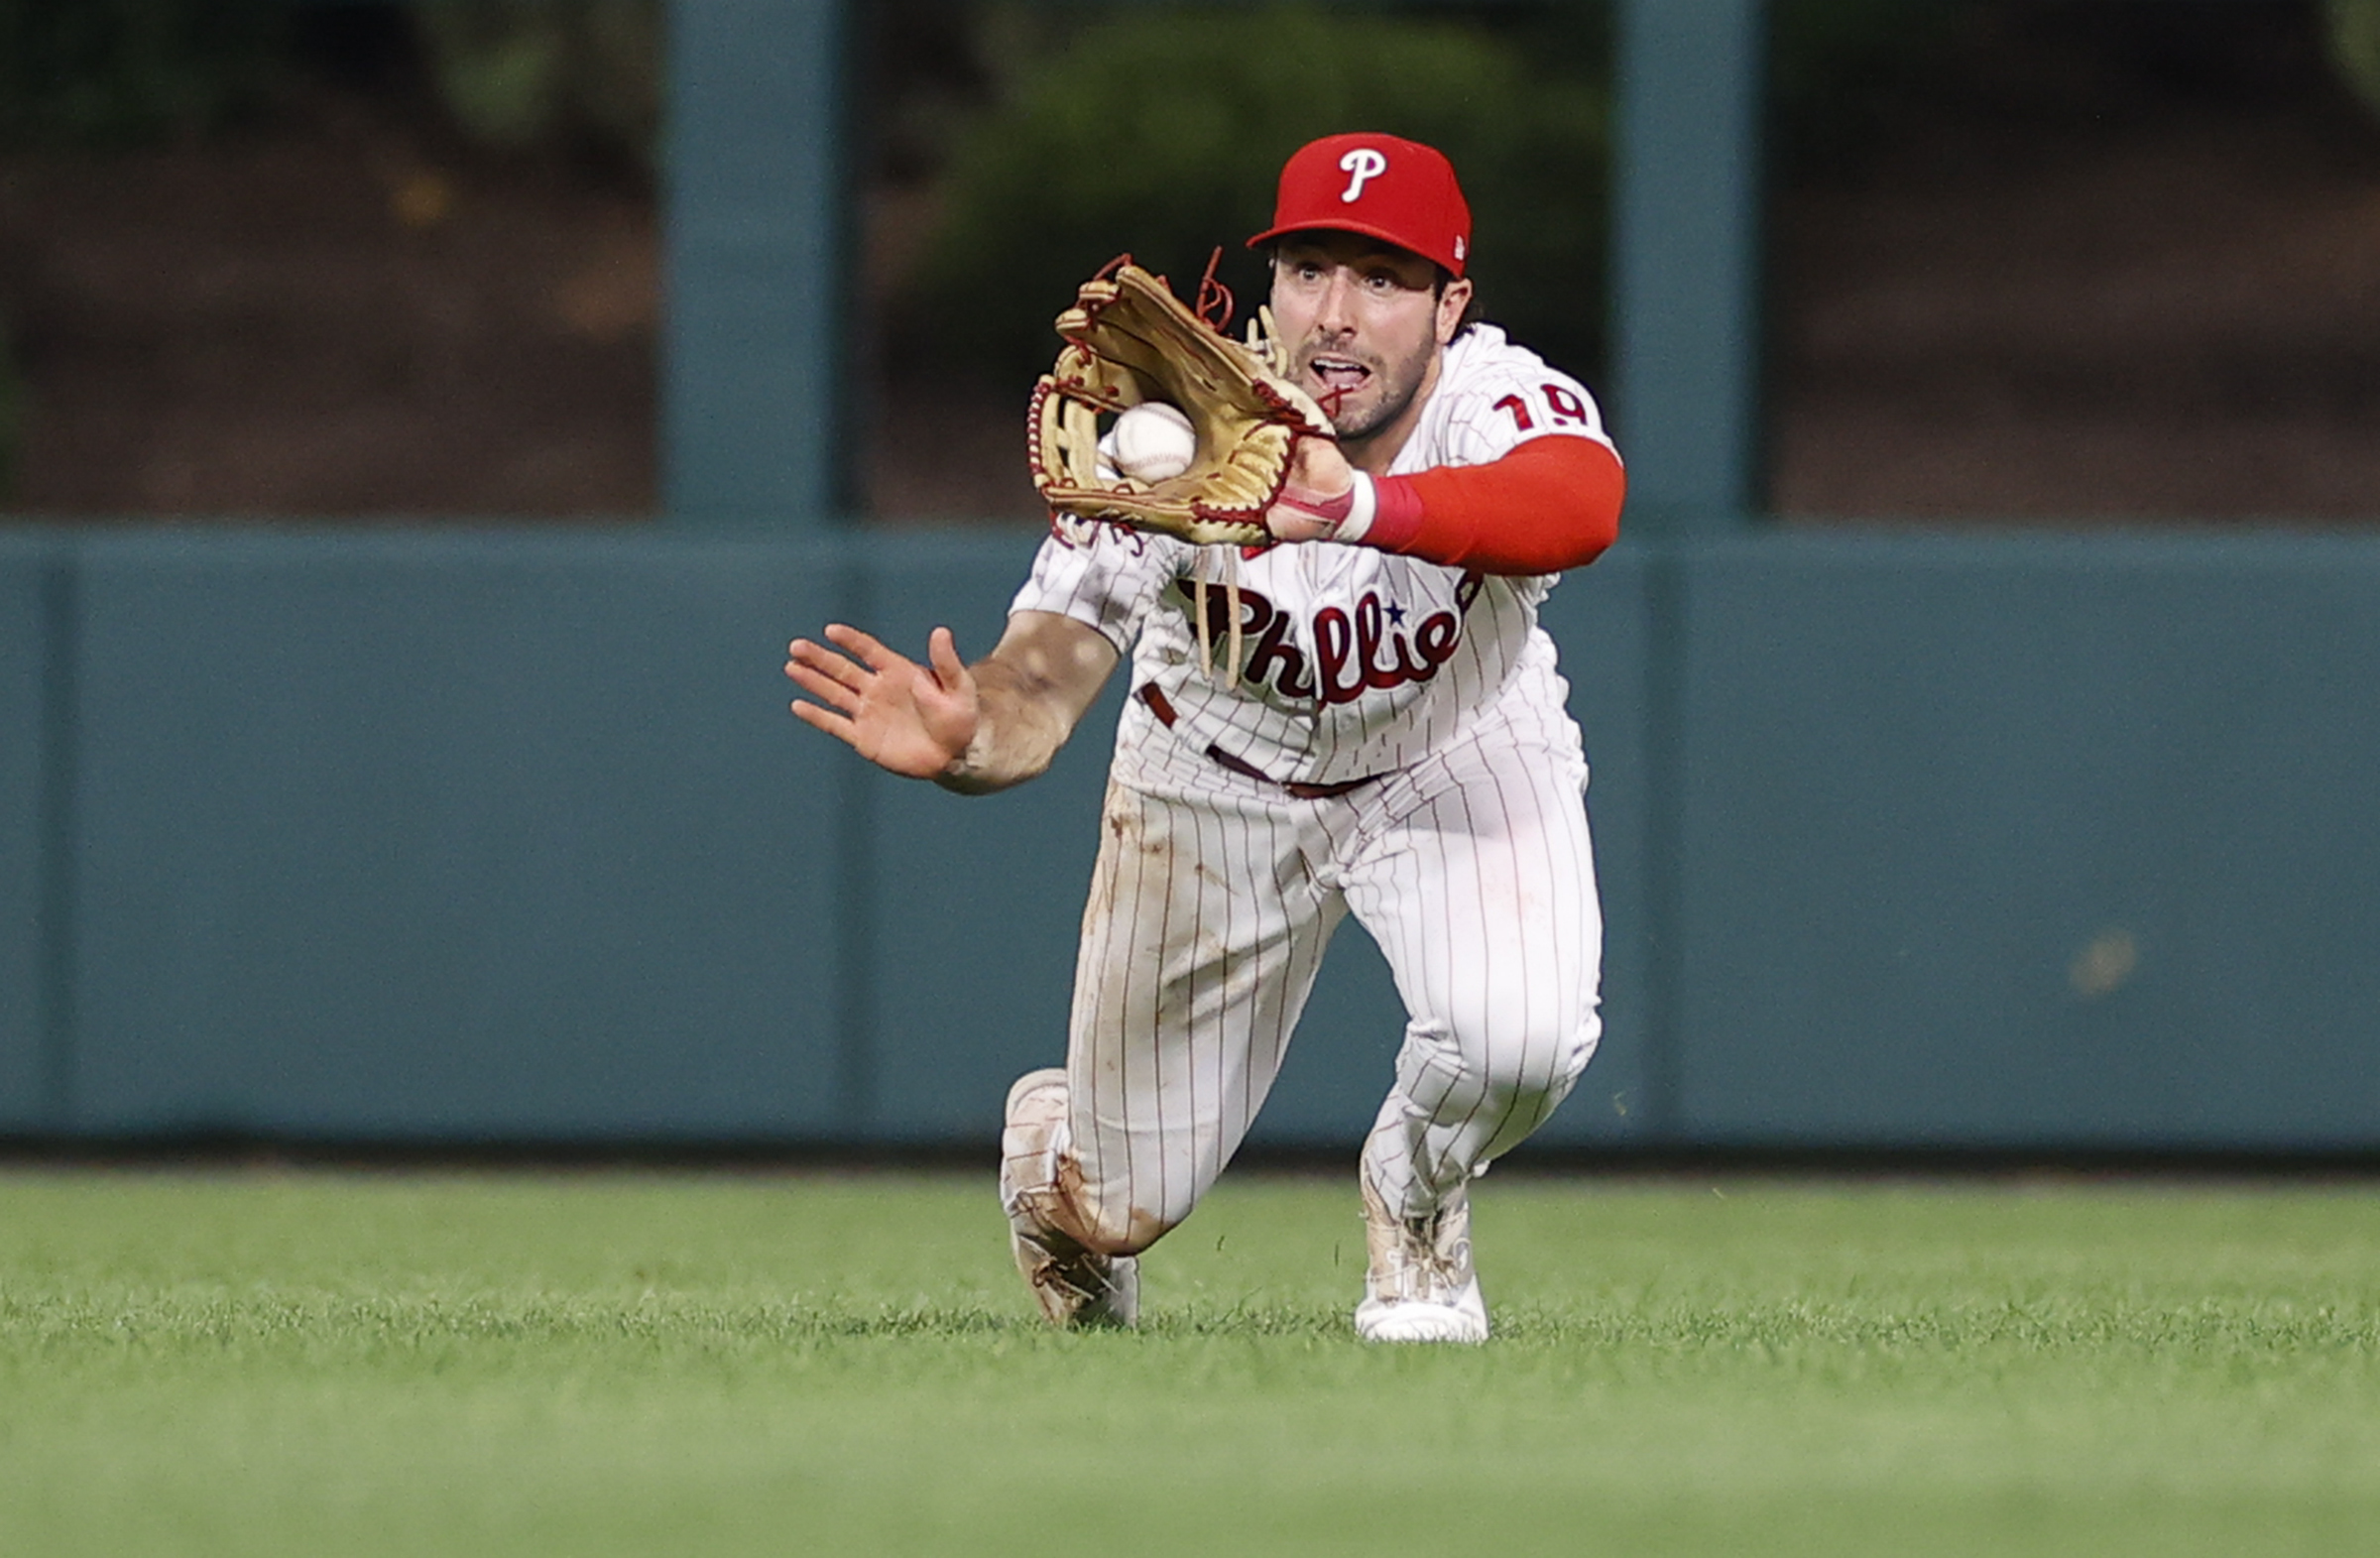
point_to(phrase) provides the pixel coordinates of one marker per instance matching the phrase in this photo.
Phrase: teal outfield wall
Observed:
(470, 837)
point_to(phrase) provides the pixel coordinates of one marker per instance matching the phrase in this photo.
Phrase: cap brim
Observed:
(1362, 229)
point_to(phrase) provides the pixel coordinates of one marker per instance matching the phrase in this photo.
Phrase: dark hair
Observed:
(1471, 308)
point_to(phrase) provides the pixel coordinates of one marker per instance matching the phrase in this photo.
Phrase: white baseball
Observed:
(1155, 440)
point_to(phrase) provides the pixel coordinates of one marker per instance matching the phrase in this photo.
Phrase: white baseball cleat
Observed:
(1420, 1286)
(1075, 1286)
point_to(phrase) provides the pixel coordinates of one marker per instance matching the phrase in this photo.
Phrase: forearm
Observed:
(1551, 504)
(1018, 736)
(1030, 691)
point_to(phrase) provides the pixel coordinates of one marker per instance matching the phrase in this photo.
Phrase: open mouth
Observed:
(1338, 376)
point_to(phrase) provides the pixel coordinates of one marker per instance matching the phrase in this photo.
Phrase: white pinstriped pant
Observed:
(1211, 906)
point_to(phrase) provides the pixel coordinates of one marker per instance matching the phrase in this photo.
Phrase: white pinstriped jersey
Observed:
(1352, 662)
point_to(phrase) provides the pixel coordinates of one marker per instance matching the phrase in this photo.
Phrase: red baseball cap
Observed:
(1381, 186)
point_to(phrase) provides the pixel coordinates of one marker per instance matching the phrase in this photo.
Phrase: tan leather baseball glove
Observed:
(1130, 340)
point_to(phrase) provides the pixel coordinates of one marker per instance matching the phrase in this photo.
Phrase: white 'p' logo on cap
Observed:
(1361, 164)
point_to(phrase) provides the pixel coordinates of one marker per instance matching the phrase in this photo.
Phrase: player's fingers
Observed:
(860, 645)
(824, 661)
(824, 688)
(943, 646)
(835, 725)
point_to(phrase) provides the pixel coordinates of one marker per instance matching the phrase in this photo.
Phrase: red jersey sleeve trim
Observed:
(1552, 503)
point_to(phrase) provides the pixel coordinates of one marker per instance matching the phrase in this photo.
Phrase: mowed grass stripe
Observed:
(267, 1362)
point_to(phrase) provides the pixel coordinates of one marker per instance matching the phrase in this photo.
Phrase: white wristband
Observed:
(1359, 517)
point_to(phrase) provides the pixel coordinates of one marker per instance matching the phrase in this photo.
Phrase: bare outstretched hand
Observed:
(911, 719)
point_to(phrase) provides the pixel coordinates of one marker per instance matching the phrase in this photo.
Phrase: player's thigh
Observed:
(1480, 892)
(1201, 940)
(1194, 905)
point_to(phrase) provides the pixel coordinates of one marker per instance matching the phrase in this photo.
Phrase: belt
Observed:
(1162, 707)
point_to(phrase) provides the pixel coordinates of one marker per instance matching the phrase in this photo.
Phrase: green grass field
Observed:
(335, 1363)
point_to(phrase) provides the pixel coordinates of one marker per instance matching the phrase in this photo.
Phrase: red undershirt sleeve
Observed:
(1550, 504)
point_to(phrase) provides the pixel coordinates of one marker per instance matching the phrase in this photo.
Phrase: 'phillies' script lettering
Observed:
(1367, 648)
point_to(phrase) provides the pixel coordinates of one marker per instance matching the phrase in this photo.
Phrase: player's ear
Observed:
(1450, 302)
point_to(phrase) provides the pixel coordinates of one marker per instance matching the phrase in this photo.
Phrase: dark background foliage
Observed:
(1161, 131)
(119, 72)
(481, 170)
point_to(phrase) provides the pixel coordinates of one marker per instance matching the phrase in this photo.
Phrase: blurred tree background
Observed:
(2056, 260)
(531, 74)
(295, 256)
(2028, 258)
(1161, 131)
(1011, 146)
(522, 75)
(379, 255)
(117, 73)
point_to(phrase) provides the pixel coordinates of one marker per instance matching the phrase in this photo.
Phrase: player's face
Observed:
(1363, 324)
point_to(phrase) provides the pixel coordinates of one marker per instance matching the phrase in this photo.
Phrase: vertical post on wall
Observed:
(755, 263)
(1687, 261)
(56, 739)
(1686, 268)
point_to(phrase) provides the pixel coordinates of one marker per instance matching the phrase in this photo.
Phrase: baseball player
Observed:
(1380, 732)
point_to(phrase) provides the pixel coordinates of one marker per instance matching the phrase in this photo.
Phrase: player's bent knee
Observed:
(1447, 1073)
(1118, 1227)
(1543, 1063)
(1522, 1090)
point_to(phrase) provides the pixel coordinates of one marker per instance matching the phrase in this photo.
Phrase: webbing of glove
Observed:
(1129, 340)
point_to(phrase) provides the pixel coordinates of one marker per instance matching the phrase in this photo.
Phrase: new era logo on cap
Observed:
(1381, 186)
